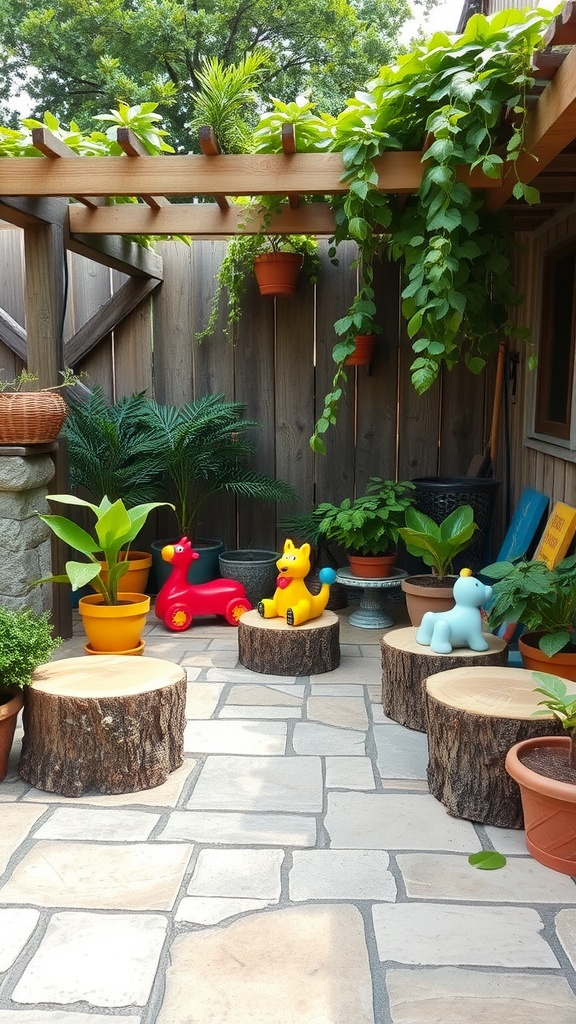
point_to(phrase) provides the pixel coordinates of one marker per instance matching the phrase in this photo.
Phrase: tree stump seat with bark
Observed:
(275, 648)
(106, 724)
(406, 665)
(474, 716)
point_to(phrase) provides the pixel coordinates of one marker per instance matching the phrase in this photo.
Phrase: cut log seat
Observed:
(474, 716)
(109, 724)
(406, 664)
(273, 647)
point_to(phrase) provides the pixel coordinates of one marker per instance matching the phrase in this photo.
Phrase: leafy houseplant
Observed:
(437, 544)
(545, 770)
(26, 641)
(544, 601)
(368, 526)
(114, 530)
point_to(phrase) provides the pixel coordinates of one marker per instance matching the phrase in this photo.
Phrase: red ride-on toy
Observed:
(179, 601)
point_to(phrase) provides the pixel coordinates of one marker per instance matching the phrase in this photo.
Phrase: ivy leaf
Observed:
(487, 860)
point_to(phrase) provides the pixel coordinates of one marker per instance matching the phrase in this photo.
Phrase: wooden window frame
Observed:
(561, 431)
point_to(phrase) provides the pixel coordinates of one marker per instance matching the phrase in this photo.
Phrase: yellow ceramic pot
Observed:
(135, 580)
(112, 628)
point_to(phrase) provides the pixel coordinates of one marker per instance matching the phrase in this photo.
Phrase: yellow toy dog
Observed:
(292, 600)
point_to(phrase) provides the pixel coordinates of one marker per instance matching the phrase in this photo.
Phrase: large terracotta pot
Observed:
(423, 594)
(562, 664)
(371, 567)
(549, 808)
(8, 715)
(277, 272)
(114, 628)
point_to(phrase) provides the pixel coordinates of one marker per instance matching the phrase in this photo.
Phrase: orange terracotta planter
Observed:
(8, 716)
(562, 664)
(362, 355)
(371, 567)
(549, 808)
(421, 598)
(277, 272)
(112, 629)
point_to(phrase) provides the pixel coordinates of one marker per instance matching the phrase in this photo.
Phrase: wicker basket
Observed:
(31, 417)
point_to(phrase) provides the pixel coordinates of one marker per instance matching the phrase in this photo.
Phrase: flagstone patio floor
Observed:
(294, 870)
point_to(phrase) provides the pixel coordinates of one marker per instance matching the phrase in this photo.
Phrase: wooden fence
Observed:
(279, 364)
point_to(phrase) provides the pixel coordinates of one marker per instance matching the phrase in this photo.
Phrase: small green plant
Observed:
(26, 641)
(114, 530)
(542, 599)
(369, 525)
(437, 544)
(560, 703)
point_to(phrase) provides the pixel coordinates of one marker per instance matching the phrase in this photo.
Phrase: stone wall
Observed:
(25, 541)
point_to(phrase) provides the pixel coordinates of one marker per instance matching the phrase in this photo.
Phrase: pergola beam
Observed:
(253, 174)
(204, 220)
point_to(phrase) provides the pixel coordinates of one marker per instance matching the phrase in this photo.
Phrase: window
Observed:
(556, 350)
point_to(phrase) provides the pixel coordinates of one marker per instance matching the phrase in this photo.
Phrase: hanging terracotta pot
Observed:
(423, 594)
(277, 272)
(362, 355)
(562, 664)
(549, 806)
(372, 567)
(8, 715)
(114, 628)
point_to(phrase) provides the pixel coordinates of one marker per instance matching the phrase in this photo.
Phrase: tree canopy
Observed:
(77, 57)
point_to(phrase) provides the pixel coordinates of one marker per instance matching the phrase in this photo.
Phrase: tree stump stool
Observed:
(474, 716)
(273, 647)
(109, 724)
(407, 664)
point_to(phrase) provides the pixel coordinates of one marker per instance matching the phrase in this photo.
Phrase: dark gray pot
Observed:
(256, 570)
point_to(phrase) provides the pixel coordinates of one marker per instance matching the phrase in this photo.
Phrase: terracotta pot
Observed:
(371, 567)
(31, 417)
(549, 808)
(8, 716)
(113, 628)
(424, 594)
(277, 272)
(562, 664)
(362, 356)
(135, 580)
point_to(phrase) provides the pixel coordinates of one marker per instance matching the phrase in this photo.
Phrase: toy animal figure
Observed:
(178, 600)
(462, 625)
(292, 600)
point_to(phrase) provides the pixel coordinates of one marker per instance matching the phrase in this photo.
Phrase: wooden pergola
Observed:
(61, 201)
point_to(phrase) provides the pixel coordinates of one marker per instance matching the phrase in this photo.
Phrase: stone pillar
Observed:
(25, 541)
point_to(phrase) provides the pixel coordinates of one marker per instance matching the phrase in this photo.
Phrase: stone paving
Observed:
(294, 870)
